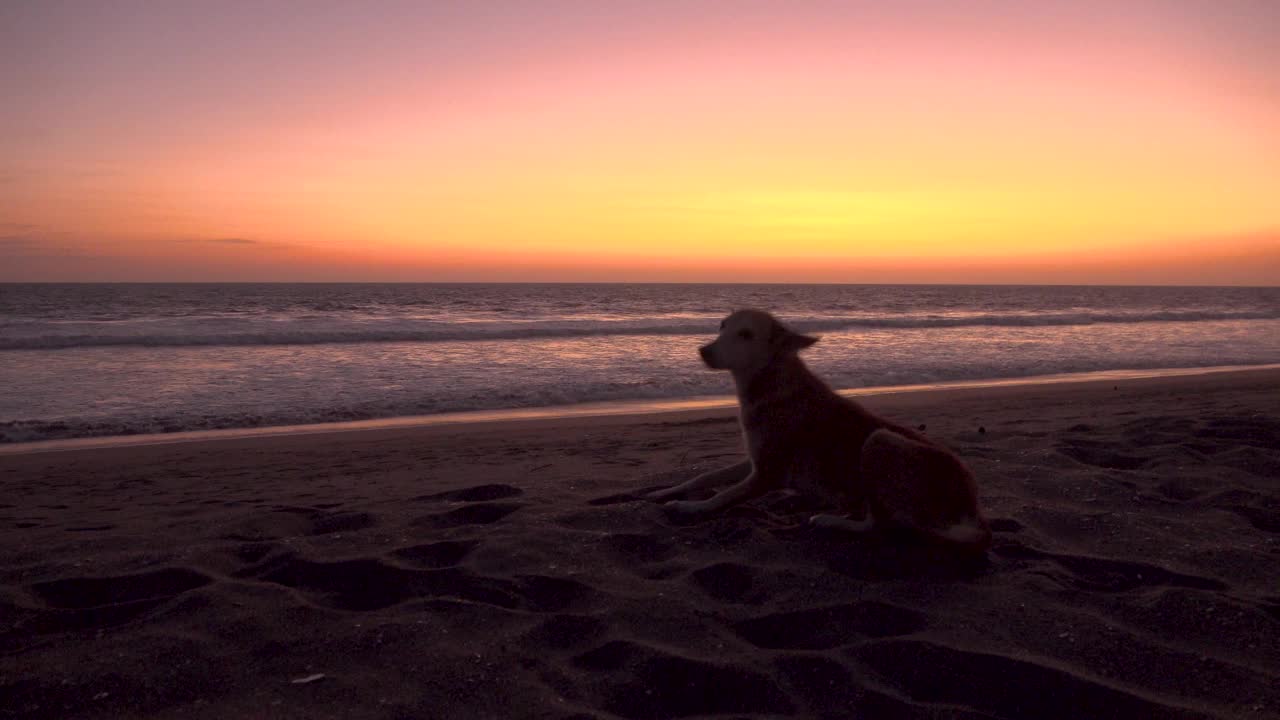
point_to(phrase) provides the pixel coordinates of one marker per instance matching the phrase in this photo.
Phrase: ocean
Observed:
(81, 360)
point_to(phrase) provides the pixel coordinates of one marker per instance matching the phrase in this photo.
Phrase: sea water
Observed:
(80, 360)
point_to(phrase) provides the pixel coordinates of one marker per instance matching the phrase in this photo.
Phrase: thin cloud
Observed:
(17, 242)
(676, 209)
(235, 241)
(23, 247)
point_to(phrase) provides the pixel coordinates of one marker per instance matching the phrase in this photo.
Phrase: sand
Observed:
(508, 570)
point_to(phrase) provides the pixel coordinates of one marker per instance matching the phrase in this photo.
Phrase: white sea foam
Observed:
(197, 331)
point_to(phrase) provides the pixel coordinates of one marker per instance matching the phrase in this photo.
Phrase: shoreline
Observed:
(612, 412)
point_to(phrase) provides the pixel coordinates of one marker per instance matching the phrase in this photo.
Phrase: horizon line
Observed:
(625, 282)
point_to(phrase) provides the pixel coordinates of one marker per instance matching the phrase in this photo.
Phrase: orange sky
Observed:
(829, 142)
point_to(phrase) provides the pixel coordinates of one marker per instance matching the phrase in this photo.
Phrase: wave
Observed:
(187, 333)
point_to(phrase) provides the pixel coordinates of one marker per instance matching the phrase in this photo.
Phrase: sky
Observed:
(1003, 141)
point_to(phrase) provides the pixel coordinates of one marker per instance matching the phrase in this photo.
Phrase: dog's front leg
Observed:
(755, 485)
(724, 475)
(858, 519)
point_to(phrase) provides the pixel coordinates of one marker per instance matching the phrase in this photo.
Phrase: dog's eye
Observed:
(744, 334)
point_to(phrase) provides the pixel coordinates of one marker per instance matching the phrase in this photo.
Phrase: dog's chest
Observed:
(817, 476)
(801, 464)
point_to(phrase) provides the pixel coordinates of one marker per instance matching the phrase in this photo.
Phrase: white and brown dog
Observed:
(801, 434)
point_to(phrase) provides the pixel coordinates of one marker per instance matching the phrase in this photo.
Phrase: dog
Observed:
(800, 434)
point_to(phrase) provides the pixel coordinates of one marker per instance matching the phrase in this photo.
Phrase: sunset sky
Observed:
(1070, 141)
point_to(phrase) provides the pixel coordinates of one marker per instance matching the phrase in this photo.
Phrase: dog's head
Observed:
(750, 340)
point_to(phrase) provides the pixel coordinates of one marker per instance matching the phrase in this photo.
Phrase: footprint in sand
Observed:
(85, 592)
(643, 555)
(480, 511)
(999, 685)
(101, 602)
(477, 493)
(639, 681)
(1271, 606)
(638, 547)
(621, 497)
(823, 628)
(445, 553)
(283, 521)
(1092, 573)
(1005, 525)
(1103, 455)
(1256, 431)
(478, 514)
(828, 689)
(565, 631)
(370, 584)
(1262, 518)
(727, 582)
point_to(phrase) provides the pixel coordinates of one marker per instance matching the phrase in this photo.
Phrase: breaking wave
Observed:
(195, 332)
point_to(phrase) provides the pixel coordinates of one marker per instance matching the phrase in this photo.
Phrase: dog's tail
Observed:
(969, 535)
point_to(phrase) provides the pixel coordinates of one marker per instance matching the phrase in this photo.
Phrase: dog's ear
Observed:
(797, 342)
(786, 340)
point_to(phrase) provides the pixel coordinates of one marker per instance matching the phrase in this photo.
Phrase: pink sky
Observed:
(913, 141)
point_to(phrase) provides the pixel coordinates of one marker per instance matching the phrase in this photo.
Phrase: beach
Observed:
(509, 569)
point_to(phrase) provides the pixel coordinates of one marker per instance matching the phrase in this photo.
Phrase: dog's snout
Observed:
(711, 356)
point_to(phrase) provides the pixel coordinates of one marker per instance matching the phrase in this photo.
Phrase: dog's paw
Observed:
(684, 508)
(838, 522)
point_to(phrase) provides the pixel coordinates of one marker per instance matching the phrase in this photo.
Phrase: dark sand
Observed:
(506, 570)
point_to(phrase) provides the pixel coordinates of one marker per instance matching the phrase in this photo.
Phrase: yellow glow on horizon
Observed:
(814, 145)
